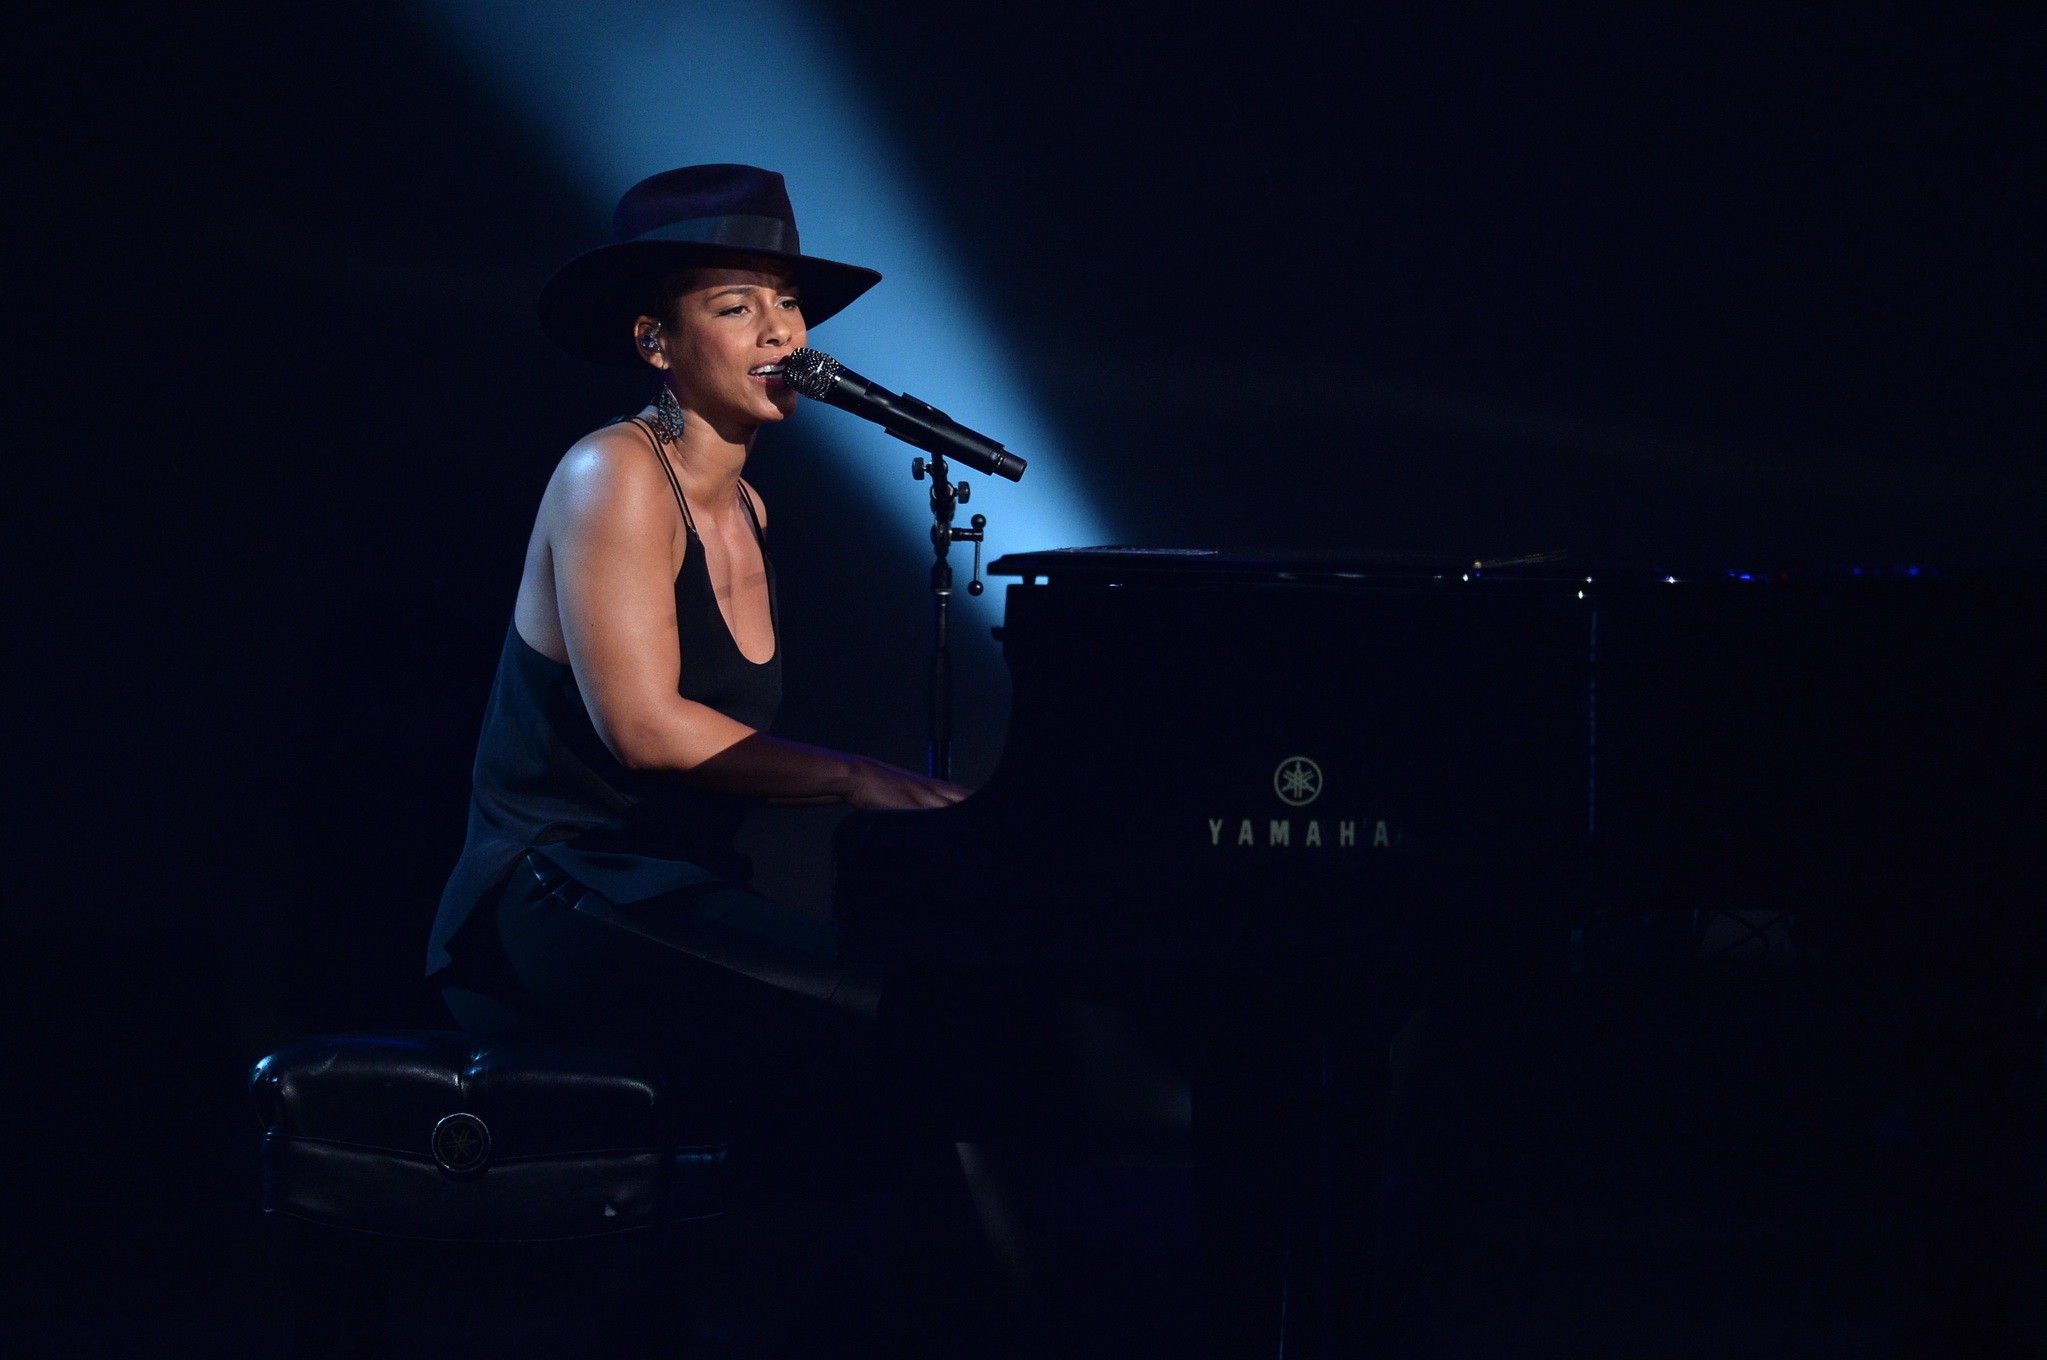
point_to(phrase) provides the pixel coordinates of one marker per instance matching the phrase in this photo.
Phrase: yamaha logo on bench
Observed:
(461, 1144)
(1298, 782)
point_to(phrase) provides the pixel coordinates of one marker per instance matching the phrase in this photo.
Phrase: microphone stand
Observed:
(945, 496)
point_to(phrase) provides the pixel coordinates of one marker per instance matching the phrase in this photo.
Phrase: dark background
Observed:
(1740, 283)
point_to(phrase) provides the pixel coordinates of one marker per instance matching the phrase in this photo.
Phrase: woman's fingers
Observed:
(927, 793)
(885, 786)
(941, 792)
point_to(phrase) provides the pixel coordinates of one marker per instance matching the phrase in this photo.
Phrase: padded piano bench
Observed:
(561, 1172)
(440, 1135)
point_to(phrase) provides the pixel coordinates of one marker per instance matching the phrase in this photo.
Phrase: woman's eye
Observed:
(733, 311)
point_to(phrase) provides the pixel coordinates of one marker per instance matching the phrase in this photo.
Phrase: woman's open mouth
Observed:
(769, 374)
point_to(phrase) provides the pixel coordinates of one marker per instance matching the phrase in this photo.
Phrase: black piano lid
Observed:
(1201, 566)
(1191, 565)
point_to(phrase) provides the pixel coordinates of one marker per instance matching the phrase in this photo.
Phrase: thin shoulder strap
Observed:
(746, 495)
(669, 472)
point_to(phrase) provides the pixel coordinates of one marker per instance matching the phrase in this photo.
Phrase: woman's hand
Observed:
(786, 773)
(876, 784)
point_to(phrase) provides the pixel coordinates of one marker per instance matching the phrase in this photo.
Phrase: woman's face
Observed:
(730, 323)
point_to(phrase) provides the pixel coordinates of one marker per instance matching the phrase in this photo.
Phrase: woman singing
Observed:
(599, 897)
(627, 727)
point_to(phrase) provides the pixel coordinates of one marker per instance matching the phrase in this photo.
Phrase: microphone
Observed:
(822, 378)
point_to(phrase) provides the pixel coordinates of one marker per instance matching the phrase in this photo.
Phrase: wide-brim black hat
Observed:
(680, 219)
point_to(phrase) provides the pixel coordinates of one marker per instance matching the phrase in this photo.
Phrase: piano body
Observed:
(1209, 750)
(1344, 782)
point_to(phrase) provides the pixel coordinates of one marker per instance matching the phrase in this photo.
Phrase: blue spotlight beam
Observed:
(630, 87)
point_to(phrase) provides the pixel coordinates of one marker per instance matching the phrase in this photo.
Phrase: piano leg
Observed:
(1246, 1145)
(1289, 1081)
(999, 1183)
(1289, 1120)
(1344, 1218)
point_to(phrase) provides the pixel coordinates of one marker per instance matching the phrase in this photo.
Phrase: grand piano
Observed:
(1323, 788)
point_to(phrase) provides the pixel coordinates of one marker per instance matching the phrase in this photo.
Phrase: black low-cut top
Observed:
(545, 781)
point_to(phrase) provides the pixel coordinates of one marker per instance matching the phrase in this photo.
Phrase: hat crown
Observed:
(696, 217)
(706, 194)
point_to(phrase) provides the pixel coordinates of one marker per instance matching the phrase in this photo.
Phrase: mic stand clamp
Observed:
(946, 495)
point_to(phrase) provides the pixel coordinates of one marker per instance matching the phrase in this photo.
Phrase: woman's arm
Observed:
(612, 538)
(788, 772)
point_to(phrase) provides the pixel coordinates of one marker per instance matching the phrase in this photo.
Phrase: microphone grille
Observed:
(811, 372)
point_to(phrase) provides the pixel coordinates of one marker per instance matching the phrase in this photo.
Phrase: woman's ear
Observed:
(647, 338)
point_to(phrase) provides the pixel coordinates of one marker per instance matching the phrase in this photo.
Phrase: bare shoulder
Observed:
(610, 474)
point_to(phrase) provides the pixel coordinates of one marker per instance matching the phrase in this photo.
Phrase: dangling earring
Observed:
(668, 417)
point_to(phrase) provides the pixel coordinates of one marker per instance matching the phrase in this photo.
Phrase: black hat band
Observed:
(743, 230)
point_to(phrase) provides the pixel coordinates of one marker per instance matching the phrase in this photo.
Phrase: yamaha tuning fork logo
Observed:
(461, 1144)
(1298, 782)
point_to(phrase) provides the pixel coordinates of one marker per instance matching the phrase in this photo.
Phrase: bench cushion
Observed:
(442, 1135)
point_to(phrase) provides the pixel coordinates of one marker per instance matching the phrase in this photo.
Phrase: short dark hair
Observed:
(663, 303)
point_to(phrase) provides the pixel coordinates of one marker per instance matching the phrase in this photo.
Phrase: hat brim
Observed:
(589, 306)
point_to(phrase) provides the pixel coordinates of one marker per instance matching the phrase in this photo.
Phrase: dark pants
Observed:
(964, 1057)
(966, 1054)
(530, 965)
